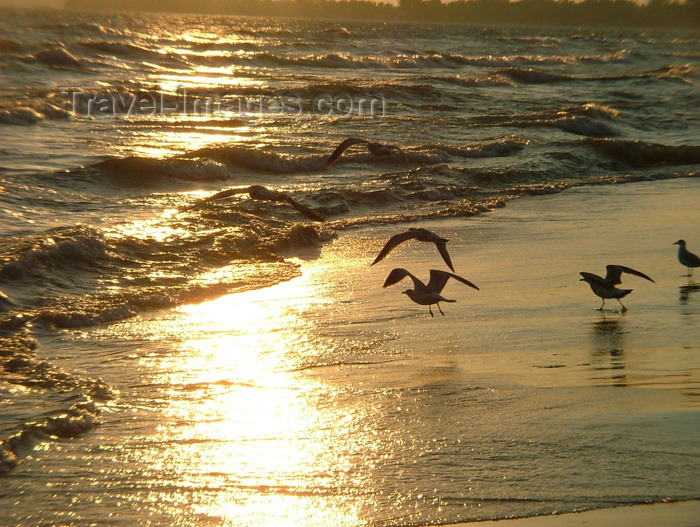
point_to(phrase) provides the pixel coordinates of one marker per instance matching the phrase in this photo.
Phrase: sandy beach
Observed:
(682, 514)
(329, 400)
(532, 317)
(533, 323)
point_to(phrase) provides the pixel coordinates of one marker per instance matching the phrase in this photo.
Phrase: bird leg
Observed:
(623, 306)
(438, 305)
(431, 311)
(601, 306)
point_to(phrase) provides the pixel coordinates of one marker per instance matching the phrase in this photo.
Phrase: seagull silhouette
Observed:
(422, 235)
(685, 257)
(377, 149)
(260, 193)
(605, 287)
(422, 294)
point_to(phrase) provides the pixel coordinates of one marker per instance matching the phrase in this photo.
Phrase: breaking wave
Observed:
(641, 154)
(58, 57)
(20, 367)
(591, 120)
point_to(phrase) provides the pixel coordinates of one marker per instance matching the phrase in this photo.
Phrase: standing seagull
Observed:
(422, 294)
(685, 257)
(422, 235)
(377, 149)
(260, 193)
(605, 287)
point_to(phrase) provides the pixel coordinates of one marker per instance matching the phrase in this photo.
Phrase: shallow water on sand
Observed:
(329, 400)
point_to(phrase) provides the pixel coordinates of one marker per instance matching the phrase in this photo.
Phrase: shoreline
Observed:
(666, 514)
(521, 401)
(509, 340)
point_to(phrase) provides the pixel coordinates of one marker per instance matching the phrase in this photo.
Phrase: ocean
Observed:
(168, 367)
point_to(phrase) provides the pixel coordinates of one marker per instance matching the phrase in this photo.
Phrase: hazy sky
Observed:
(60, 3)
(32, 3)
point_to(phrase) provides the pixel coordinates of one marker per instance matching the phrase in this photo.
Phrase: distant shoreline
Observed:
(591, 13)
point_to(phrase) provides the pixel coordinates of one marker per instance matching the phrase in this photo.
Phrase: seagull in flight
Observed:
(422, 235)
(605, 287)
(259, 192)
(426, 295)
(377, 149)
(685, 257)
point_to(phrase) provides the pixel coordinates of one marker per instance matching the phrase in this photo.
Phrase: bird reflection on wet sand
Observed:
(609, 354)
(686, 290)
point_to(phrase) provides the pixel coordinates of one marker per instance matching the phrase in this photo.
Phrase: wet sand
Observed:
(682, 514)
(533, 323)
(329, 400)
(532, 315)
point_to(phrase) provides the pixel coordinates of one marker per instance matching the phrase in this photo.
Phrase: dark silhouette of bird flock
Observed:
(430, 293)
(425, 295)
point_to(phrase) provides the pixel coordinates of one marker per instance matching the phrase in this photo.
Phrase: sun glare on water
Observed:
(252, 440)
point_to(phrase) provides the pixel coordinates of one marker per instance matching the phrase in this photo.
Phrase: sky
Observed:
(60, 3)
(31, 3)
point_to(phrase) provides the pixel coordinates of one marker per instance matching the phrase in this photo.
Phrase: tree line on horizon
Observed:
(621, 13)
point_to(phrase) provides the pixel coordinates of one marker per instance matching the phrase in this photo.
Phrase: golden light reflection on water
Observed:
(245, 423)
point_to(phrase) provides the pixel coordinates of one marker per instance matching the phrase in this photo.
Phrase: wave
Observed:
(114, 48)
(151, 172)
(374, 91)
(590, 120)
(6, 304)
(674, 72)
(470, 82)
(533, 76)
(25, 115)
(641, 154)
(74, 422)
(20, 116)
(79, 276)
(259, 160)
(21, 367)
(226, 162)
(405, 60)
(62, 249)
(10, 46)
(58, 57)
(501, 148)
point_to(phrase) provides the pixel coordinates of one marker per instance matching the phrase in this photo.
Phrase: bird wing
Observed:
(342, 147)
(395, 240)
(441, 246)
(590, 277)
(306, 211)
(219, 195)
(614, 274)
(398, 274)
(438, 279)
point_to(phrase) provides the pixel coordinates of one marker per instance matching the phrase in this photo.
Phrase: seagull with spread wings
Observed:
(605, 287)
(429, 294)
(377, 149)
(259, 192)
(422, 235)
